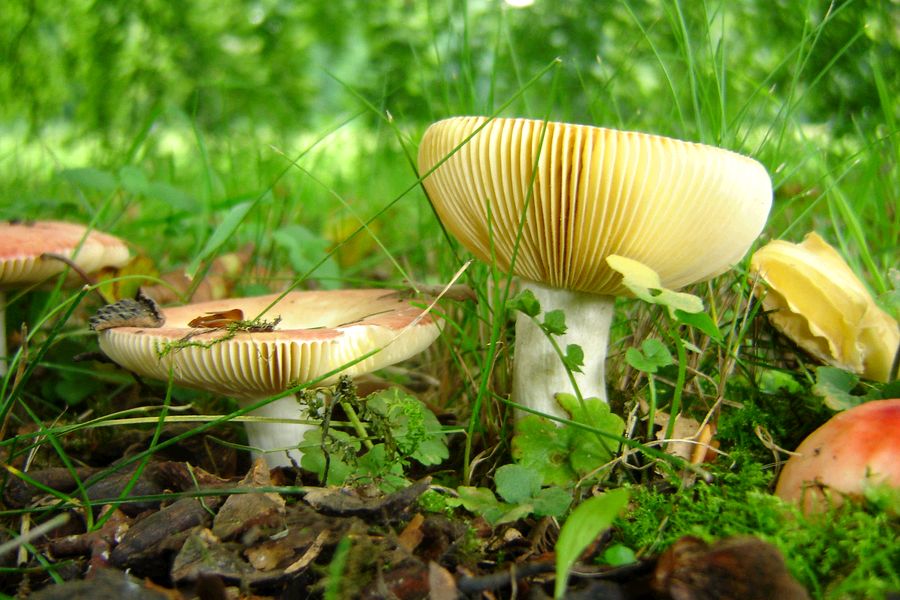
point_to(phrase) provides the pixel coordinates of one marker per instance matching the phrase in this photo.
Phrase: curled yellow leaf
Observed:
(813, 296)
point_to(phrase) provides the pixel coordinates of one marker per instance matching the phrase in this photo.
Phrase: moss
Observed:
(849, 552)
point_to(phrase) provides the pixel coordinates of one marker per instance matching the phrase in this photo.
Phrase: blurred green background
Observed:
(163, 115)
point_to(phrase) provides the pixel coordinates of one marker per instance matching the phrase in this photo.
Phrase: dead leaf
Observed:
(241, 512)
(412, 534)
(217, 320)
(689, 440)
(441, 583)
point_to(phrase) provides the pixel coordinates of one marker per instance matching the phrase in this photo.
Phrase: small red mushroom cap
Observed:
(854, 449)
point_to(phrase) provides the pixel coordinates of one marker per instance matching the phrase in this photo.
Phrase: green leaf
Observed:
(618, 555)
(554, 322)
(587, 521)
(133, 180)
(525, 303)
(650, 358)
(342, 448)
(91, 179)
(701, 321)
(773, 381)
(564, 454)
(552, 502)
(416, 432)
(171, 195)
(517, 484)
(481, 501)
(589, 450)
(540, 445)
(223, 233)
(510, 514)
(306, 251)
(573, 359)
(835, 386)
(646, 284)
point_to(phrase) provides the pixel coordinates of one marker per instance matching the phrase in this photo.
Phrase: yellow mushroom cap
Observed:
(814, 298)
(319, 331)
(686, 210)
(23, 243)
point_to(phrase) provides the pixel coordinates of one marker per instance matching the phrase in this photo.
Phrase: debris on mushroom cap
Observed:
(318, 332)
(814, 298)
(22, 245)
(855, 448)
(686, 210)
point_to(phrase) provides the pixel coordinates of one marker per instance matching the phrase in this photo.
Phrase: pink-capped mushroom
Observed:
(854, 449)
(308, 336)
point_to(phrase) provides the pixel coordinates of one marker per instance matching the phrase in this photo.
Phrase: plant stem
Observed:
(3, 350)
(679, 382)
(358, 425)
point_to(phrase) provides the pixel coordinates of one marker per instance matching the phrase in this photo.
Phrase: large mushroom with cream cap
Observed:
(254, 348)
(25, 249)
(549, 202)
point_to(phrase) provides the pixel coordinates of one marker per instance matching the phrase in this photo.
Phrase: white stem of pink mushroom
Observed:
(270, 439)
(539, 373)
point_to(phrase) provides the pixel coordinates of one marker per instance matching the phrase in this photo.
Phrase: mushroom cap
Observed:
(814, 298)
(854, 448)
(686, 210)
(22, 244)
(319, 331)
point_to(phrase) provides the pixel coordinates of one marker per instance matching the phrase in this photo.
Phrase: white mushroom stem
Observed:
(270, 439)
(539, 373)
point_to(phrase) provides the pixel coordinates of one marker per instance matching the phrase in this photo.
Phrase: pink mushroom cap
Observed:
(854, 449)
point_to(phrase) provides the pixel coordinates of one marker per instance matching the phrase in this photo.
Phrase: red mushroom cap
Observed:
(854, 449)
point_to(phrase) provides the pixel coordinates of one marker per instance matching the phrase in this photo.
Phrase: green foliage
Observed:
(308, 254)
(582, 527)
(222, 233)
(617, 555)
(836, 387)
(565, 454)
(410, 432)
(527, 304)
(408, 426)
(554, 322)
(652, 356)
(522, 494)
(645, 284)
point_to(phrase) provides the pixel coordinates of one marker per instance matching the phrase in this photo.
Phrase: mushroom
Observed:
(23, 249)
(550, 202)
(312, 336)
(814, 298)
(856, 448)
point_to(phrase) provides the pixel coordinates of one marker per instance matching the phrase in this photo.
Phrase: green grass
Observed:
(809, 91)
